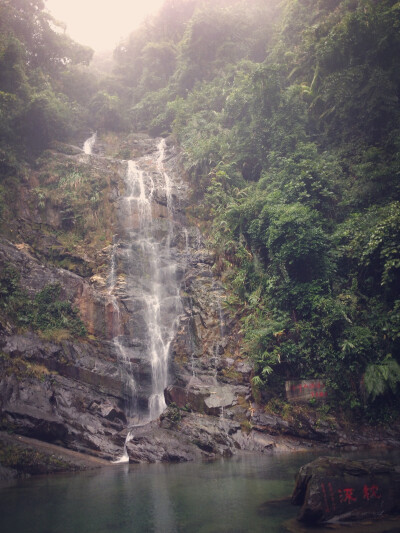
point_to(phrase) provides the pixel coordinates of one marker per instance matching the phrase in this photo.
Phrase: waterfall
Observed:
(160, 166)
(148, 306)
(89, 143)
(124, 457)
(114, 333)
(164, 303)
(150, 273)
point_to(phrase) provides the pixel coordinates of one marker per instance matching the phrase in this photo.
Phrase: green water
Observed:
(224, 496)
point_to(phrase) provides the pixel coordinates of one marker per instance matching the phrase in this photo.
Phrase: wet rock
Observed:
(255, 442)
(335, 489)
(219, 399)
(21, 457)
(301, 425)
(150, 444)
(185, 398)
(269, 424)
(72, 394)
(213, 436)
(112, 413)
(209, 399)
(79, 393)
(245, 369)
(58, 411)
(181, 436)
(34, 277)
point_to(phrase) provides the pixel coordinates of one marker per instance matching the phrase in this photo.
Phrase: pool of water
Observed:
(223, 496)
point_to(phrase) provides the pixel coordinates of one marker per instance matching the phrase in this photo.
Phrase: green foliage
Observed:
(34, 59)
(46, 117)
(287, 114)
(173, 413)
(290, 137)
(46, 311)
(105, 111)
(382, 377)
(9, 284)
(383, 248)
(188, 42)
(50, 313)
(152, 112)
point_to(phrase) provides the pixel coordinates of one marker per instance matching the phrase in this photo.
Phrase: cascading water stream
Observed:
(160, 166)
(165, 303)
(115, 331)
(152, 261)
(143, 302)
(89, 143)
(187, 259)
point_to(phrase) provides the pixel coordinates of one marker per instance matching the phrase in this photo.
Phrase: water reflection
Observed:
(163, 511)
(226, 496)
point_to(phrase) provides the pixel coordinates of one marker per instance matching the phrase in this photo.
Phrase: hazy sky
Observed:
(101, 23)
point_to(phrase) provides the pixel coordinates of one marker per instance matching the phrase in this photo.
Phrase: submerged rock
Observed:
(332, 489)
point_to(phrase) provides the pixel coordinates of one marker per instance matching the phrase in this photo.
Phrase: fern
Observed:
(382, 377)
(257, 382)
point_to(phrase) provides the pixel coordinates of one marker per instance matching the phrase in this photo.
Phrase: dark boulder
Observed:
(334, 489)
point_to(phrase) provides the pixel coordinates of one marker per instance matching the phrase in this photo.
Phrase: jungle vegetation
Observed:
(288, 116)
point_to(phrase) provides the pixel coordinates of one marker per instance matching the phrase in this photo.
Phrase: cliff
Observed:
(85, 311)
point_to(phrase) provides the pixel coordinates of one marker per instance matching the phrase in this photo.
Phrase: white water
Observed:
(148, 279)
(124, 457)
(187, 257)
(160, 166)
(89, 143)
(160, 290)
(123, 355)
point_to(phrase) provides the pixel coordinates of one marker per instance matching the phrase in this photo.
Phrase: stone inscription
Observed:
(339, 498)
(302, 391)
(332, 488)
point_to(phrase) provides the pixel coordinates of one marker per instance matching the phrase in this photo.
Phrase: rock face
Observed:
(115, 236)
(22, 457)
(182, 437)
(333, 489)
(69, 392)
(83, 393)
(148, 261)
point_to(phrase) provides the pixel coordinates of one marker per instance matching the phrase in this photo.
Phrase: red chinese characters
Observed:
(316, 389)
(347, 496)
(318, 394)
(371, 493)
(354, 497)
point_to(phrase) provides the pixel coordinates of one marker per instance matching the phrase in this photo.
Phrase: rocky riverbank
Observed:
(22, 457)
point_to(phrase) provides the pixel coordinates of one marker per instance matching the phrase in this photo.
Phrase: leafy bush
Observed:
(45, 312)
(379, 378)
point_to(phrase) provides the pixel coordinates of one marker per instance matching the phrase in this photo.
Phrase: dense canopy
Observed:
(287, 113)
